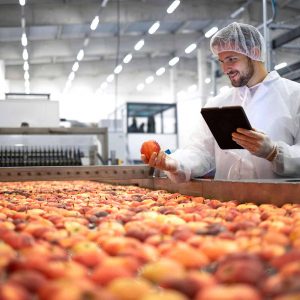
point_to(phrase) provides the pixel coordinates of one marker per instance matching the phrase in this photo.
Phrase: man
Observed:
(272, 105)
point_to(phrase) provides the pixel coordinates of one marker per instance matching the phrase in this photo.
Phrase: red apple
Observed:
(149, 147)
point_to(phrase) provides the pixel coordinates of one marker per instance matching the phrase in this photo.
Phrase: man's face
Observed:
(239, 68)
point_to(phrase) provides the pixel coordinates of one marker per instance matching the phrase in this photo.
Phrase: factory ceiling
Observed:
(57, 29)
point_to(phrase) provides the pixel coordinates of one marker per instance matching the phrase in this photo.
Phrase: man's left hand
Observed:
(256, 142)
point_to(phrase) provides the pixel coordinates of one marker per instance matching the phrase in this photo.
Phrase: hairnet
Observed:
(240, 38)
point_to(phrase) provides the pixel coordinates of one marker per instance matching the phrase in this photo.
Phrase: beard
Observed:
(238, 78)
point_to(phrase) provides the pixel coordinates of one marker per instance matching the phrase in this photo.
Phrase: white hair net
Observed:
(240, 38)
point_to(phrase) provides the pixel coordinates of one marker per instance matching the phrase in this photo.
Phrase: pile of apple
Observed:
(84, 240)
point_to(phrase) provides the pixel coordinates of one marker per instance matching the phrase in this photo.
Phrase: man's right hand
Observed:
(161, 161)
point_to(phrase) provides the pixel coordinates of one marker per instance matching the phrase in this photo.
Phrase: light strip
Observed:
(190, 48)
(118, 69)
(140, 87)
(24, 40)
(174, 61)
(71, 76)
(75, 67)
(110, 78)
(80, 55)
(25, 54)
(139, 45)
(127, 58)
(160, 71)
(25, 66)
(154, 27)
(95, 23)
(149, 79)
(22, 2)
(173, 6)
(280, 66)
(211, 32)
(26, 75)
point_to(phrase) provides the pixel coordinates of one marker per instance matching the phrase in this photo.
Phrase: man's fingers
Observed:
(250, 133)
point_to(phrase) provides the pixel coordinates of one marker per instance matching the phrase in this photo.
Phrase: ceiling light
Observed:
(211, 32)
(68, 85)
(127, 58)
(75, 66)
(26, 75)
(24, 40)
(25, 54)
(103, 86)
(86, 42)
(193, 88)
(139, 45)
(27, 84)
(237, 12)
(71, 76)
(174, 61)
(149, 79)
(154, 27)
(207, 80)
(23, 22)
(140, 87)
(95, 23)
(110, 78)
(190, 48)
(173, 6)
(80, 55)
(22, 2)
(26, 66)
(280, 66)
(118, 69)
(160, 71)
(104, 2)
(27, 90)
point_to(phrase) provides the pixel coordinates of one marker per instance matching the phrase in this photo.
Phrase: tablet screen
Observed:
(223, 121)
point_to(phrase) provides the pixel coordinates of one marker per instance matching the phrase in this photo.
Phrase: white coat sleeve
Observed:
(198, 157)
(287, 161)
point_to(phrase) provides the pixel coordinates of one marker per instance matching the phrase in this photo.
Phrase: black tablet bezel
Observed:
(223, 121)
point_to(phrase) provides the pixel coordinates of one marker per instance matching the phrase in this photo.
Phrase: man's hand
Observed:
(256, 142)
(161, 161)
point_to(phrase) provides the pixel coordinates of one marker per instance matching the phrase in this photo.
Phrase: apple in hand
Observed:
(149, 147)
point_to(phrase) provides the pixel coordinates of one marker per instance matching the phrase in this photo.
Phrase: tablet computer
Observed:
(223, 121)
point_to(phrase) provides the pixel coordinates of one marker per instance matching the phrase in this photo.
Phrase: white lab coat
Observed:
(273, 109)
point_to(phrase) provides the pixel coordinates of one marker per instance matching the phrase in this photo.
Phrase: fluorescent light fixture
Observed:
(68, 85)
(80, 55)
(237, 12)
(154, 27)
(149, 79)
(75, 66)
(26, 66)
(26, 75)
(193, 88)
(103, 85)
(25, 54)
(174, 61)
(160, 71)
(280, 66)
(104, 2)
(71, 76)
(118, 69)
(27, 91)
(189, 49)
(27, 84)
(24, 40)
(211, 32)
(139, 45)
(86, 42)
(207, 80)
(140, 87)
(173, 6)
(95, 23)
(127, 58)
(22, 2)
(23, 22)
(110, 78)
